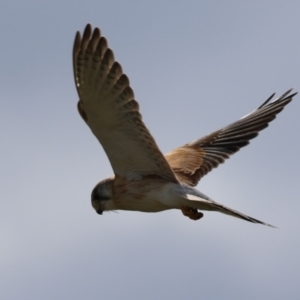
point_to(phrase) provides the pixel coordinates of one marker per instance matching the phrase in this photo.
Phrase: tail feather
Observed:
(208, 204)
(226, 210)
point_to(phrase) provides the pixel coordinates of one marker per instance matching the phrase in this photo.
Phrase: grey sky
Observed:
(195, 66)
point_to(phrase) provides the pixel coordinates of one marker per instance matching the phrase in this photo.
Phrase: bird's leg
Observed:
(192, 213)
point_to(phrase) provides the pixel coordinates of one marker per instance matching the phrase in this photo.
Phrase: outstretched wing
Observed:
(108, 107)
(194, 160)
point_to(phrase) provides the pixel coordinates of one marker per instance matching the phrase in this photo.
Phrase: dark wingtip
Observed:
(267, 101)
(284, 96)
(87, 31)
(77, 43)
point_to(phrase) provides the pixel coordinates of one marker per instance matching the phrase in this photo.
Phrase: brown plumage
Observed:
(146, 180)
(194, 160)
(108, 107)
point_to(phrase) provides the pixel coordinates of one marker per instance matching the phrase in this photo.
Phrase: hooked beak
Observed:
(99, 211)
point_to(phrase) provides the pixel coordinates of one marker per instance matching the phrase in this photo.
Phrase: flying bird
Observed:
(144, 179)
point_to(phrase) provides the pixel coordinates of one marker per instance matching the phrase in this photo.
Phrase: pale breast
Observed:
(140, 195)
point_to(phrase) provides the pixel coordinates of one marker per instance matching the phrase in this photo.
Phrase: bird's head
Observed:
(102, 195)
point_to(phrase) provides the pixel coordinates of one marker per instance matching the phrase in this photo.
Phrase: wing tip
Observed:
(287, 96)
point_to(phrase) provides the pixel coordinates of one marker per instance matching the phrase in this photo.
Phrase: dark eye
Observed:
(100, 193)
(95, 196)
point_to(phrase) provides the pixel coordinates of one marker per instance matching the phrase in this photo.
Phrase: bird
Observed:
(144, 179)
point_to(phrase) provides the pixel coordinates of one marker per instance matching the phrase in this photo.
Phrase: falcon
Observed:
(144, 179)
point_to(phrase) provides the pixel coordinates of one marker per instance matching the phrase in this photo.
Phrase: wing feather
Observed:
(108, 107)
(194, 160)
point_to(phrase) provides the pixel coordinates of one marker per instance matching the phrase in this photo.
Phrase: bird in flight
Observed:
(144, 179)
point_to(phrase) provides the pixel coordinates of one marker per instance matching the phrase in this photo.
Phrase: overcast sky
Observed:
(195, 66)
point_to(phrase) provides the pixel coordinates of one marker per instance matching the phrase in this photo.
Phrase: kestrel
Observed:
(146, 180)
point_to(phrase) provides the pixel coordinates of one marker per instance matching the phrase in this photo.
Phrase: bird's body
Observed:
(154, 194)
(146, 194)
(146, 180)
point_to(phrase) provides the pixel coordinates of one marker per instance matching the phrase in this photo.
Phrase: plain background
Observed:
(195, 66)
